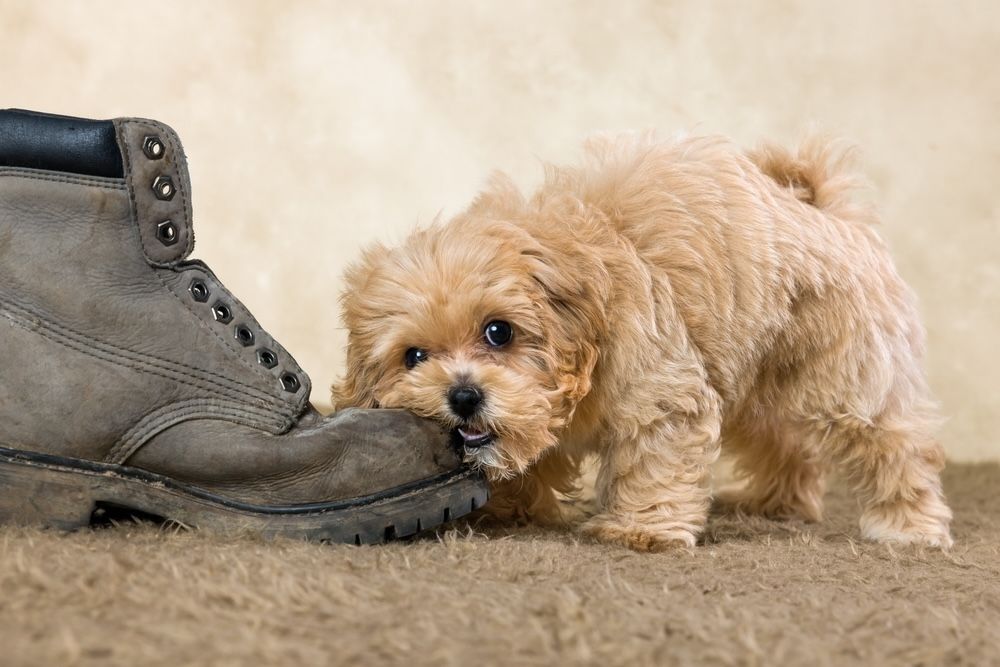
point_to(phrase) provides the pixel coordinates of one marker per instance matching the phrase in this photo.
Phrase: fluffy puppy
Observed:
(659, 302)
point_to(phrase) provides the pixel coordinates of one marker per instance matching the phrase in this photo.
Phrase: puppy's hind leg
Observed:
(652, 488)
(894, 464)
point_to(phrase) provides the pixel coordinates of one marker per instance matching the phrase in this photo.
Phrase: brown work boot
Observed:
(131, 378)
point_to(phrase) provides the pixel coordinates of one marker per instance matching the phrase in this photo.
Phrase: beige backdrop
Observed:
(313, 128)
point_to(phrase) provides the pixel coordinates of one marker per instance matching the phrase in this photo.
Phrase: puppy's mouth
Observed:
(471, 439)
(482, 449)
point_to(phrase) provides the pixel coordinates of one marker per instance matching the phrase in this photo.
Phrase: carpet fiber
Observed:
(757, 592)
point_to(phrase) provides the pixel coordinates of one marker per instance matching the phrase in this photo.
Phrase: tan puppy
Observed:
(662, 300)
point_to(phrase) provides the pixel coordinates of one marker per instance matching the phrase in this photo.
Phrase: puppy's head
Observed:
(478, 324)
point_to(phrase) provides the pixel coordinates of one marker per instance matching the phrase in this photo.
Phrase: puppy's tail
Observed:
(820, 173)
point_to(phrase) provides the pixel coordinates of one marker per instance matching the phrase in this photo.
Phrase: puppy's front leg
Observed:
(652, 488)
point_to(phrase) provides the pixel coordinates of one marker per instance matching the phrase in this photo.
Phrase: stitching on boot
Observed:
(127, 156)
(212, 379)
(207, 380)
(152, 369)
(89, 181)
(176, 413)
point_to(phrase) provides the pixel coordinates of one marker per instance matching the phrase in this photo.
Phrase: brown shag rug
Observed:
(755, 593)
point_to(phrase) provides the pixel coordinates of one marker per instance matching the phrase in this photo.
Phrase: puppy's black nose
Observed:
(465, 400)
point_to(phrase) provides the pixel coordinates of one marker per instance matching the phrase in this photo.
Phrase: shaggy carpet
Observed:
(755, 593)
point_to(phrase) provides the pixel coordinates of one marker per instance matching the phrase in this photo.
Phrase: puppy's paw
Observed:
(940, 539)
(659, 536)
(900, 527)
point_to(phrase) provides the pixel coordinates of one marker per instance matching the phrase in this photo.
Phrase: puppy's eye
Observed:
(498, 333)
(414, 356)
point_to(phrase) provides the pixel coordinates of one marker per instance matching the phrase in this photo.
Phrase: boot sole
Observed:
(64, 493)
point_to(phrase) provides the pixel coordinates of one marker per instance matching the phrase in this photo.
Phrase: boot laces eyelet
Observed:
(244, 336)
(222, 313)
(163, 188)
(267, 358)
(289, 382)
(199, 290)
(166, 232)
(153, 147)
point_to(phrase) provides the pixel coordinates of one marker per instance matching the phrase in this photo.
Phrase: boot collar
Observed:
(147, 154)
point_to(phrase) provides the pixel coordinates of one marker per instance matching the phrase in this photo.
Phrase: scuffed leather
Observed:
(107, 357)
(352, 453)
(87, 291)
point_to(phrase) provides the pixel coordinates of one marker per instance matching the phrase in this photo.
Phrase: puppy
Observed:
(659, 302)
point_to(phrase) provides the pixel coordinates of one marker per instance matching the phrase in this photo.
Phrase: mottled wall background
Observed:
(315, 127)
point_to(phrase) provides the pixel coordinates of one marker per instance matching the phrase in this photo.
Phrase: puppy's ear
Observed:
(356, 389)
(577, 286)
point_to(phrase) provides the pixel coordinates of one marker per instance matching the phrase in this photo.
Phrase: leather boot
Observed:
(130, 377)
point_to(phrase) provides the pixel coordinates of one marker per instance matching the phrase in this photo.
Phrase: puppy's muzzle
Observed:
(465, 400)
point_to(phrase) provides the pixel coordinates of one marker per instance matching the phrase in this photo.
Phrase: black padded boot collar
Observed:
(59, 143)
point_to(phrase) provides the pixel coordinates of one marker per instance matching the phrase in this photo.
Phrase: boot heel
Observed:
(32, 495)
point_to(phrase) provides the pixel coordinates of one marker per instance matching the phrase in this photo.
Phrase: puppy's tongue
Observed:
(470, 434)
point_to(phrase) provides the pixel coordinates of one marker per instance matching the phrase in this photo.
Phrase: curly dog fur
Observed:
(668, 298)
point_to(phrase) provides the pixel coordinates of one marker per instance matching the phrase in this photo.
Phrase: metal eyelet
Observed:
(222, 313)
(163, 188)
(267, 358)
(166, 232)
(244, 336)
(199, 291)
(153, 147)
(289, 382)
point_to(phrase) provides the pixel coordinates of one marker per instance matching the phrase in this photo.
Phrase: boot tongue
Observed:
(159, 187)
